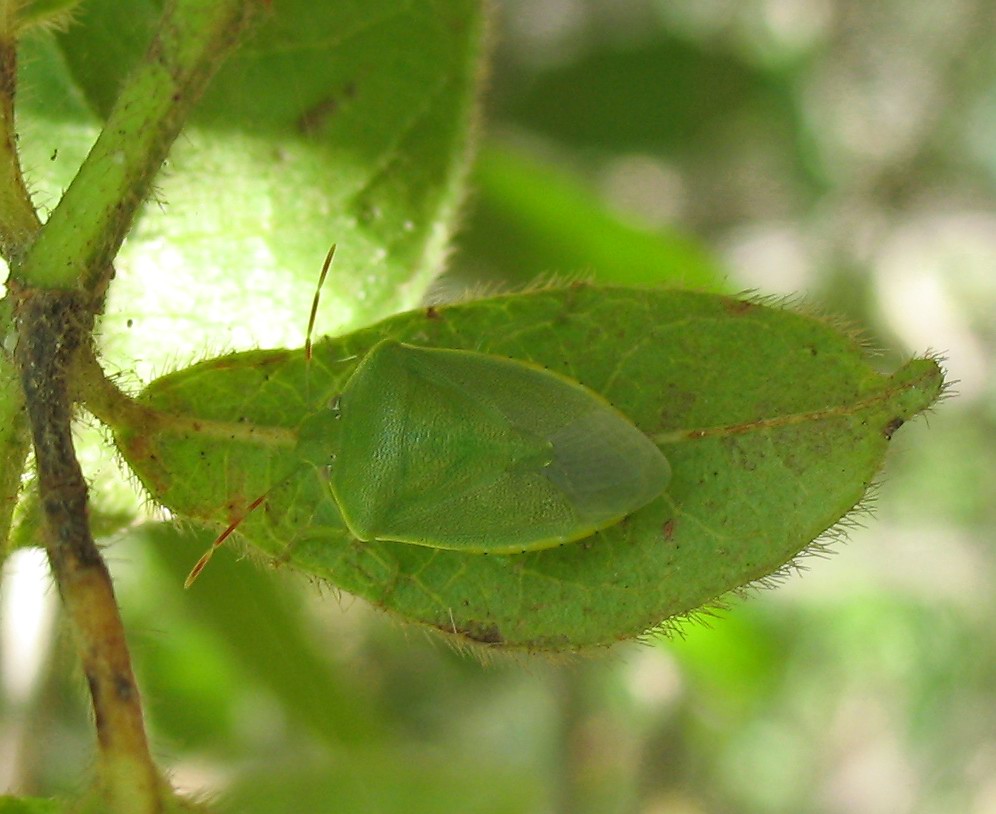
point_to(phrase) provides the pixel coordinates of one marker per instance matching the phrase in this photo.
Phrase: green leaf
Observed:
(528, 218)
(341, 122)
(773, 421)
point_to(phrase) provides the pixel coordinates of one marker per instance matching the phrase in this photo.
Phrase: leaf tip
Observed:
(918, 385)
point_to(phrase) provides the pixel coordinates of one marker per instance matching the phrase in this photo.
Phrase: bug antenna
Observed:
(201, 564)
(314, 304)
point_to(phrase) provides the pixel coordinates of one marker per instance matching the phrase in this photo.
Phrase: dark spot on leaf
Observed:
(668, 529)
(738, 307)
(483, 632)
(312, 120)
(432, 313)
(891, 427)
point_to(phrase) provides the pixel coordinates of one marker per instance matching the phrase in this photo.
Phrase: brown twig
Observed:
(53, 326)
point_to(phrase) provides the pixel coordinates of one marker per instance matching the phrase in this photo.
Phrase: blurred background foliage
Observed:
(841, 151)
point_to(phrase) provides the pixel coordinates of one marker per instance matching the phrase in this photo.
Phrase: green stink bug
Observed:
(483, 454)
(473, 452)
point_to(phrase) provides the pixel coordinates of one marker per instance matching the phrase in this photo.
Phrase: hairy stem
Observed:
(115, 408)
(18, 225)
(18, 219)
(54, 325)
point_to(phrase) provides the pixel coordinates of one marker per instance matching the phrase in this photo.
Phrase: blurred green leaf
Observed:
(258, 627)
(734, 665)
(30, 805)
(389, 782)
(663, 95)
(736, 134)
(529, 220)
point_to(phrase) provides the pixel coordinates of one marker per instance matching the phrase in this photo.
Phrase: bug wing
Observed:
(467, 451)
(606, 467)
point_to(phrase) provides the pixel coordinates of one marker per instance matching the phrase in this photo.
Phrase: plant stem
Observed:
(18, 225)
(54, 325)
(14, 438)
(115, 408)
(18, 220)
